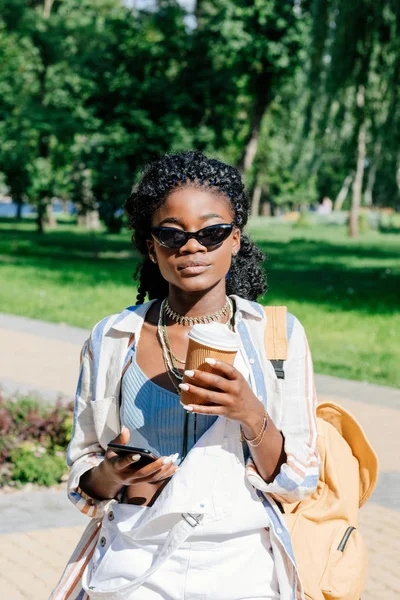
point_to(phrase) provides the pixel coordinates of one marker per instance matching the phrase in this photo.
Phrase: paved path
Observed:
(38, 530)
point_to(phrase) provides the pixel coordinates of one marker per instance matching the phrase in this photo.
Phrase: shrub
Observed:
(33, 438)
(32, 467)
(389, 223)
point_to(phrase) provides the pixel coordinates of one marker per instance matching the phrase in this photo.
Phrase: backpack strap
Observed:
(275, 337)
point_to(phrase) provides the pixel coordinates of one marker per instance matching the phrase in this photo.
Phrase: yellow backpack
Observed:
(330, 552)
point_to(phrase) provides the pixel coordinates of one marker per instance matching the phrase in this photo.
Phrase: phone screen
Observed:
(146, 455)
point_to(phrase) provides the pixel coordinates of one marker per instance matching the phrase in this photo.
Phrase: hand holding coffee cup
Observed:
(211, 340)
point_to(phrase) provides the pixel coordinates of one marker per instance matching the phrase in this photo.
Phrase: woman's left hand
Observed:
(233, 399)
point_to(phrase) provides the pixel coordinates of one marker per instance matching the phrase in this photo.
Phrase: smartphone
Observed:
(147, 456)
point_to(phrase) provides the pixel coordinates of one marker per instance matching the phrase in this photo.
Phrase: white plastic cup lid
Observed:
(215, 335)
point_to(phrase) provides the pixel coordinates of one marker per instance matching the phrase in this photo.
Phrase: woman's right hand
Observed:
(114, 472)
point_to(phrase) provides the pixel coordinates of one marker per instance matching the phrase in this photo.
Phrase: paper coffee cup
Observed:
(211, 340)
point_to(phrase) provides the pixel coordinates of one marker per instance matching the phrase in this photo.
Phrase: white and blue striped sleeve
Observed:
(84, 451)
(299, 475)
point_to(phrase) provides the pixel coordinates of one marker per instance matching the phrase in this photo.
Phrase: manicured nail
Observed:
(184, 387)
(187, 407)
(171, 459)
(135, 457)
(189, 373)
(210, 361)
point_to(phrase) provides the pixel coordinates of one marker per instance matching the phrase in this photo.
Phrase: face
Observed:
(194, 267)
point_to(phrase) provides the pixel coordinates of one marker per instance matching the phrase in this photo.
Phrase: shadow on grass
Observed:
(68, 243)
(333, 274)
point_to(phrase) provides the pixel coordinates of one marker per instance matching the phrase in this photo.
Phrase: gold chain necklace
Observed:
(169, 357)
(182, 320)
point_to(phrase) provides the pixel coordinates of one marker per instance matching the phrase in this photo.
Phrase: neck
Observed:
(197, 304)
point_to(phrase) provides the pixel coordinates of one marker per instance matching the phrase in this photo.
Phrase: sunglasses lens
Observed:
(171, 238)
(214, 235)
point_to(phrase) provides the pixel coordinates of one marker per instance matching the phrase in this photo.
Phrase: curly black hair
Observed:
(246, 276)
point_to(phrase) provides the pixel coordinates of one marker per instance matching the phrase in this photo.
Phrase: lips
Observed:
(193, 267)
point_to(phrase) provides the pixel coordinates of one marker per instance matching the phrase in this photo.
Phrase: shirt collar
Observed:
(246, 306)
(130, 319)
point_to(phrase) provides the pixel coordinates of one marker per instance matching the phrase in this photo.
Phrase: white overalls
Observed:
(203, 539)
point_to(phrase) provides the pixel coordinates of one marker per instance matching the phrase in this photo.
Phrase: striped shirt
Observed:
(291, 404)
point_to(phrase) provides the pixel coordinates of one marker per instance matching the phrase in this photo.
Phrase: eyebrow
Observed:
(177, 221)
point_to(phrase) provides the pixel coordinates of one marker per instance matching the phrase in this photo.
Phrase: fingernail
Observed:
(168, 460)
(175, 457)
(135, 457)
(187, 407)
(210, 361)
(189, 373)
(184, 387)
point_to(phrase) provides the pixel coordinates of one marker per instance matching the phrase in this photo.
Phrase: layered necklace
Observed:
(170, 360)
(183, 320)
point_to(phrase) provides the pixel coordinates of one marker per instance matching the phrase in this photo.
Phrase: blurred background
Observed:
(301, 95)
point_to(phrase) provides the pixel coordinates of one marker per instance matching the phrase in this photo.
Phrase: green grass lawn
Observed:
(345, 292)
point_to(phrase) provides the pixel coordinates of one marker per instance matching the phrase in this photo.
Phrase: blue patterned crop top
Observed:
(154, 415)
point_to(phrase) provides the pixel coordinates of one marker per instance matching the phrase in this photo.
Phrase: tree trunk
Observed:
(50, 217)
(342, 195)
(398, 178)
(262, 96)
(48, 5)
(93, 220)
(256, 200)
(368, 199)
(357, 183)
(358, 178)
(251, 146)
(89, 220)
(41, 210)
(18, 213)
(266, 209)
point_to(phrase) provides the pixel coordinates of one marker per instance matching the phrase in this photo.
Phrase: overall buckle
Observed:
(193, 520)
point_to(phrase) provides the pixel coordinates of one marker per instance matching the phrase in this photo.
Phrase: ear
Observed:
(150, 247)
(235, 241)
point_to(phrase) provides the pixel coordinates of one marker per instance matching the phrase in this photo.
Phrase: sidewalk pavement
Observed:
(38, 530)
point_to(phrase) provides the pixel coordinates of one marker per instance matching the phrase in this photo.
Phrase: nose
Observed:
(192, 246)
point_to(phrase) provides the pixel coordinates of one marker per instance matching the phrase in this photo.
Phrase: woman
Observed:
(202, 520)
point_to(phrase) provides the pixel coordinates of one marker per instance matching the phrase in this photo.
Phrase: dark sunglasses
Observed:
(170, 237)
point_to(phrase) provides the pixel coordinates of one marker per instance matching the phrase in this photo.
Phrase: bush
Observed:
(30, 465)
(33, 439)
(389, 223)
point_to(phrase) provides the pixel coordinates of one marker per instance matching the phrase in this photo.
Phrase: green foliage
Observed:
(32, 466)
(355, 47)
(389, 223)
(102, 88)
(33, 439)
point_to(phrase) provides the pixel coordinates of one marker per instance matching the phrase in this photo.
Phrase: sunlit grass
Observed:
(345, 292)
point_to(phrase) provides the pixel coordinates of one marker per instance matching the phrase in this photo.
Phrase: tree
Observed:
(358, 62)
